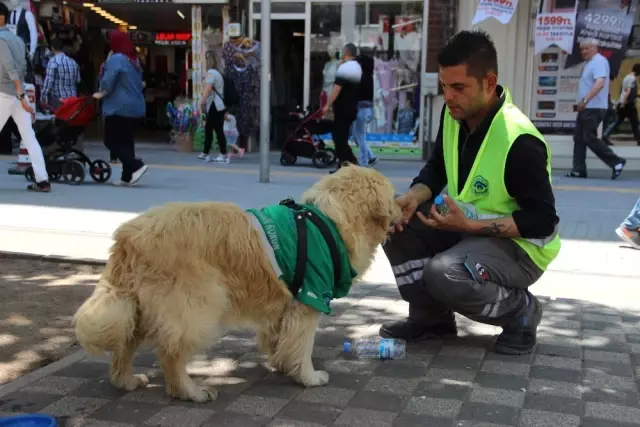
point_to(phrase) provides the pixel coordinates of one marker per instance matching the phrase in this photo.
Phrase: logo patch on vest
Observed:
(479, 186)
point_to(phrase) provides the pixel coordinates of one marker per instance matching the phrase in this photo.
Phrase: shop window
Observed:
(392, 34)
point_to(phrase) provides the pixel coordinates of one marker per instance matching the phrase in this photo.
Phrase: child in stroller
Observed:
(58, 138)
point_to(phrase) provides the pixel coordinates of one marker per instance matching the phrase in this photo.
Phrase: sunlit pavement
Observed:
(583, 372)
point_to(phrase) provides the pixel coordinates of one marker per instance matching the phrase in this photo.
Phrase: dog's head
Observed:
(361, 202)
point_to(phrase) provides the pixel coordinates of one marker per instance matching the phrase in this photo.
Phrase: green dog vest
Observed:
(278, 228)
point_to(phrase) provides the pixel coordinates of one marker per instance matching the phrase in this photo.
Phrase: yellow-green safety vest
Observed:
(485, 195)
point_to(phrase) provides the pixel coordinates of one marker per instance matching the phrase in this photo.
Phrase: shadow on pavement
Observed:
(587, 354)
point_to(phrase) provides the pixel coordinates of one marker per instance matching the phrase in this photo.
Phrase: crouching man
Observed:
(500, 231)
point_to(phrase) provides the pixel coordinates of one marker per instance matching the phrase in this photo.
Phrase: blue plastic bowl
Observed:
(35, 420)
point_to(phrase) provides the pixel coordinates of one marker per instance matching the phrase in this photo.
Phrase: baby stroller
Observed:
(58, 138)
(304, 141)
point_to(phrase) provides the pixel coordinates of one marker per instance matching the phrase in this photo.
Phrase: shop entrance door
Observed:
(290, 68)
(287, 64)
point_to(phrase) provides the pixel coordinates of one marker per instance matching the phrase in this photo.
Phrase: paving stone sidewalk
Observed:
(583, 373)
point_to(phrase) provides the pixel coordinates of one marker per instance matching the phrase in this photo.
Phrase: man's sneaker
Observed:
(121, 183)
(519, 337)
(630, 236)
(204, 157)
(40, 187)
(135, 177)
(373, 162)
(617, 169)
(410, 330)
(220, 158)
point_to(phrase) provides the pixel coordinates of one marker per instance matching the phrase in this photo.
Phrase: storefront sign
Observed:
(555, 92)
(172, 39)
(555, 28)
(611, 26)
(502, 10)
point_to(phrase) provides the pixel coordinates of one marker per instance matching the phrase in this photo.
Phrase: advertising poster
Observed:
(609, 22)
(555, 92)
(555, 27)
(502, 10)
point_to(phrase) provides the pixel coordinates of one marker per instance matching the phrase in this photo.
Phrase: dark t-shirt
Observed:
(365, 90)
(348, 78)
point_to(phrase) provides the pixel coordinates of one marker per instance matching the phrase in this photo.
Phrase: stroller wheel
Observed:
(29, 174)
(323, 158)
(73, 172)
(287, 159)
(54, 173)
(100, 171)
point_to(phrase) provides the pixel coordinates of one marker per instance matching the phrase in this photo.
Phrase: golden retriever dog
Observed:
(180, 275)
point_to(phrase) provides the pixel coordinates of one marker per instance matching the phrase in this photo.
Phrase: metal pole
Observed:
(423, 69)
(429, 126)
(265, 88)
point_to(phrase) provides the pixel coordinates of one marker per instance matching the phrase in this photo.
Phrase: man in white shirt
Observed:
(593, 102)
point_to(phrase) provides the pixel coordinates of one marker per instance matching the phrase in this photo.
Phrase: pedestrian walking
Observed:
(593, 96)
(14, 102)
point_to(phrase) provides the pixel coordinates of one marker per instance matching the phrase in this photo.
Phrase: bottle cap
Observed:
(347, 347)
(438, 200)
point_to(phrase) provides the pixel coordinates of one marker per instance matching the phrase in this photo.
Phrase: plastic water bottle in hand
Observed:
(376, 348)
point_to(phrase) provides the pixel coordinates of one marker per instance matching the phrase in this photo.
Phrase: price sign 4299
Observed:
(604, 20)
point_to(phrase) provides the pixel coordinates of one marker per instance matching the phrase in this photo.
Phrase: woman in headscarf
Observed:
(123, 105)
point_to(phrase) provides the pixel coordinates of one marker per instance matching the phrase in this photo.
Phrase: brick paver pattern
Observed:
(583, 373)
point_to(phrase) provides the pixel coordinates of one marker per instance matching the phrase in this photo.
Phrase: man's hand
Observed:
(408, 204)
(26, 106)
(325, 110)
(581, 106)
(453, 220)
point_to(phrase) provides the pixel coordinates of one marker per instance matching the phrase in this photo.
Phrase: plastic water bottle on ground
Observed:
(376, 348)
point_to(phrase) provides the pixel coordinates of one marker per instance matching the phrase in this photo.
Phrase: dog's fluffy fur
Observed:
(182, 274)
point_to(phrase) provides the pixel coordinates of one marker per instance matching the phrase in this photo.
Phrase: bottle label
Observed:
(386, 348)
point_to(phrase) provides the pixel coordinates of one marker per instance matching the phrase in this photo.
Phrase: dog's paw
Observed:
(315, 379)
(134, 382)
(138, 381)
(196, 394)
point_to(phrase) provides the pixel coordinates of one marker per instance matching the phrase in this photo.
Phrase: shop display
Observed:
(329, 74)
(23, 24)
(555, 92)
(241, 57)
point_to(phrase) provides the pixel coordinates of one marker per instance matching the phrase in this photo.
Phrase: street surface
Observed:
(584, 371)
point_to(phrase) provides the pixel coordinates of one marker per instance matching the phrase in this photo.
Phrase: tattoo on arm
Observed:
(494, 229)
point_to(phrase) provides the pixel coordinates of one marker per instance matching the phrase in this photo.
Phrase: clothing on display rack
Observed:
(242, 65)
(385, 101)
(329, 74)
(23, 24)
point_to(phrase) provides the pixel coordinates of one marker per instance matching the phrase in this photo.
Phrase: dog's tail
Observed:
(107, 320)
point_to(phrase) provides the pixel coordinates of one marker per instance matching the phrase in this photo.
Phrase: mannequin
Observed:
(329, 74)
(23, 23)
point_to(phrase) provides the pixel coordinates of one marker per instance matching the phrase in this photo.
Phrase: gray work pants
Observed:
(439, 273)
(586, 135)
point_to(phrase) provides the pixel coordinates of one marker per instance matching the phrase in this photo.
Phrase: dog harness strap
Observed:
(331, 243)
(301, 256)
(301, 215)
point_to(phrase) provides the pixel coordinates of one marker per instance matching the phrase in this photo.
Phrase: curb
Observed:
(52, 258)
(40, 373)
